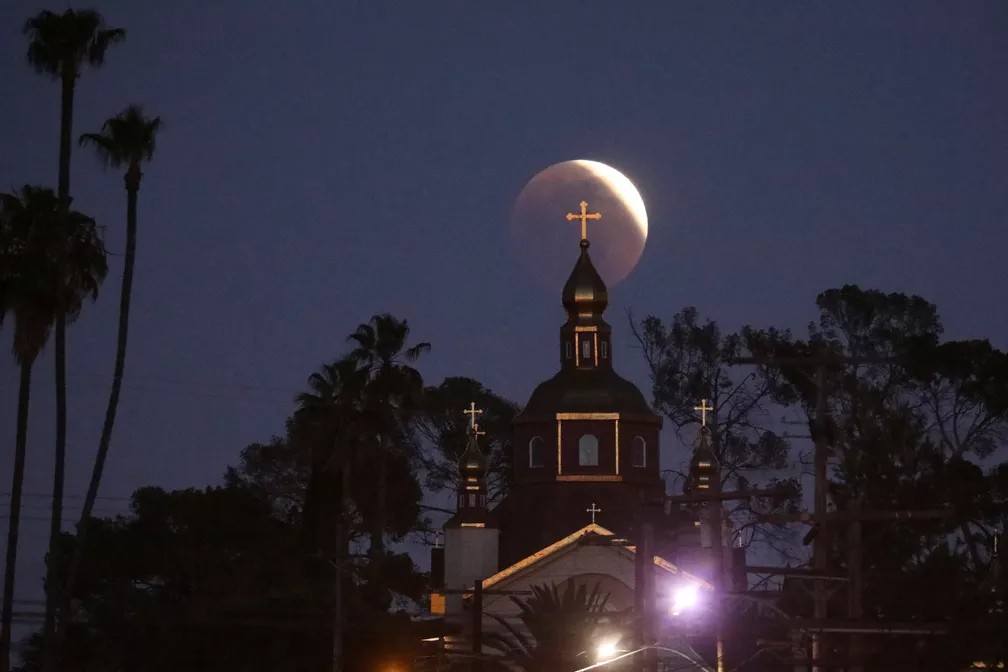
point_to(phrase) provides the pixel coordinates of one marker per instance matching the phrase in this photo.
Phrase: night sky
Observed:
(325, 161)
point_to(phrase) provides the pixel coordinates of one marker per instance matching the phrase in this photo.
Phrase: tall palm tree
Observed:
(63, 46)
(127, 139)
(34, 234)
(392, 395)
(326, 421)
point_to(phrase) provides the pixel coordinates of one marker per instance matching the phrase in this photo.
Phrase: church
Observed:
(586, 483)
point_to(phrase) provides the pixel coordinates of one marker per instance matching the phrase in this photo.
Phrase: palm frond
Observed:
(31, 235)
(59, 45)
(128, 138)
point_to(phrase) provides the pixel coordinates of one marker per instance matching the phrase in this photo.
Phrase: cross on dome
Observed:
(584, 216)
(703, 408)
(472, 412)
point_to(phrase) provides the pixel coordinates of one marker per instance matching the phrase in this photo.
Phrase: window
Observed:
(638, 452)
(537, 452)
(569, 349)
(603, 348)
(472, 500)
(586, 350)
(588, 451)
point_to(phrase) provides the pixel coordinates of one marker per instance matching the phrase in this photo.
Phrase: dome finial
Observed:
(473, 463)
(584, 292)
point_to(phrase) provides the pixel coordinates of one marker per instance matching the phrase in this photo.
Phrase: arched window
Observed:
(603, 348)
(569, 349)
(537, 452)
(638, 452)
(588, 450)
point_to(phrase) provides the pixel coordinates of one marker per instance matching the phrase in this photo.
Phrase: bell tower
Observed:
(586, 338)
(471, 537)
(586, 435)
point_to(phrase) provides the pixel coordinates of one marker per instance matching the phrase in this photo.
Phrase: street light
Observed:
(685, 597)
(607, 648)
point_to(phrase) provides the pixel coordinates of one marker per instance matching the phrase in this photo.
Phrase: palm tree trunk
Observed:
(377, 542)
(59, 346)
(342, 553)
(125, 297)
(17, 483)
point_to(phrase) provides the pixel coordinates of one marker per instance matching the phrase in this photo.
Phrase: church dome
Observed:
(585, 293)
(473, 464)
(586, 392)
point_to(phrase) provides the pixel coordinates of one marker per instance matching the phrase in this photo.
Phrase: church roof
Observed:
(578, 536)
(586, 391)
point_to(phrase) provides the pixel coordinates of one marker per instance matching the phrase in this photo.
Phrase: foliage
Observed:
(689, 361)
(30, 238)
(127, 139)
(913, 423)
(60, 45)
(558, 628)
(208, 580)
(445, 427)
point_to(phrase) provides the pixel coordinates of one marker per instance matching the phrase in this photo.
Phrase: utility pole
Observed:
(821, 518)
(820, 557)
(477, 625)
(644, 597)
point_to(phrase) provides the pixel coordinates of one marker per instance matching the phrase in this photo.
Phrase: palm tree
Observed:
(325, 422)
(324, 425)
(127, 139)
(34, 234)
(558, 628)
(392, 395)
(62, 46)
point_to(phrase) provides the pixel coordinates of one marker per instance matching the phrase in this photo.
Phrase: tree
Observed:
(689, 361)
(912, 423)
(558, 628)
(446, 429)
(198, 579)
(391, 399)
(62, 46)
(33, 235)
(127, 139)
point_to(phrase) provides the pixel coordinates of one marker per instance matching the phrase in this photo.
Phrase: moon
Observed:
(547, 244)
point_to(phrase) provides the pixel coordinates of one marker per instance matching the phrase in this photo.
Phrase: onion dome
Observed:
(584, 294)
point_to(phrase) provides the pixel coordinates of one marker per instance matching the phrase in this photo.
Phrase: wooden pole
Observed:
(819, 553)
(855, 565)
(477, 625)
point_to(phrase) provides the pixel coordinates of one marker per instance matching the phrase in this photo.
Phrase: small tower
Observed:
(471, 538)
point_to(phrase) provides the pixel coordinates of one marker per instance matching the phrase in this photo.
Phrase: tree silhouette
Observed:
(128, 139)
(62, 46)
(33, 235)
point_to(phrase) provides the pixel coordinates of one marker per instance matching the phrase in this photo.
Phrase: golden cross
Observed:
(593, 510)
(584, 217)
(472, 412)
(703, 408)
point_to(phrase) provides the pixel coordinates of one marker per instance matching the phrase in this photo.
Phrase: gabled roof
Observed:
(571, 540)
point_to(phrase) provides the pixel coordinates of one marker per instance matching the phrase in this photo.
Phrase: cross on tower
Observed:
(703, 408)
(593, 510)
(584, 217)
(472, 412)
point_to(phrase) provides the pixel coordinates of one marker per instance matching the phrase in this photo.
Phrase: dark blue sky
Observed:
(323, 161)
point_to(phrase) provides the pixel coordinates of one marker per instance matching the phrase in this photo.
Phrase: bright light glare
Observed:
(685, 597)
(606, 649)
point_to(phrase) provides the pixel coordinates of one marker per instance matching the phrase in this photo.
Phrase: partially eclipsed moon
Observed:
(547, 243)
